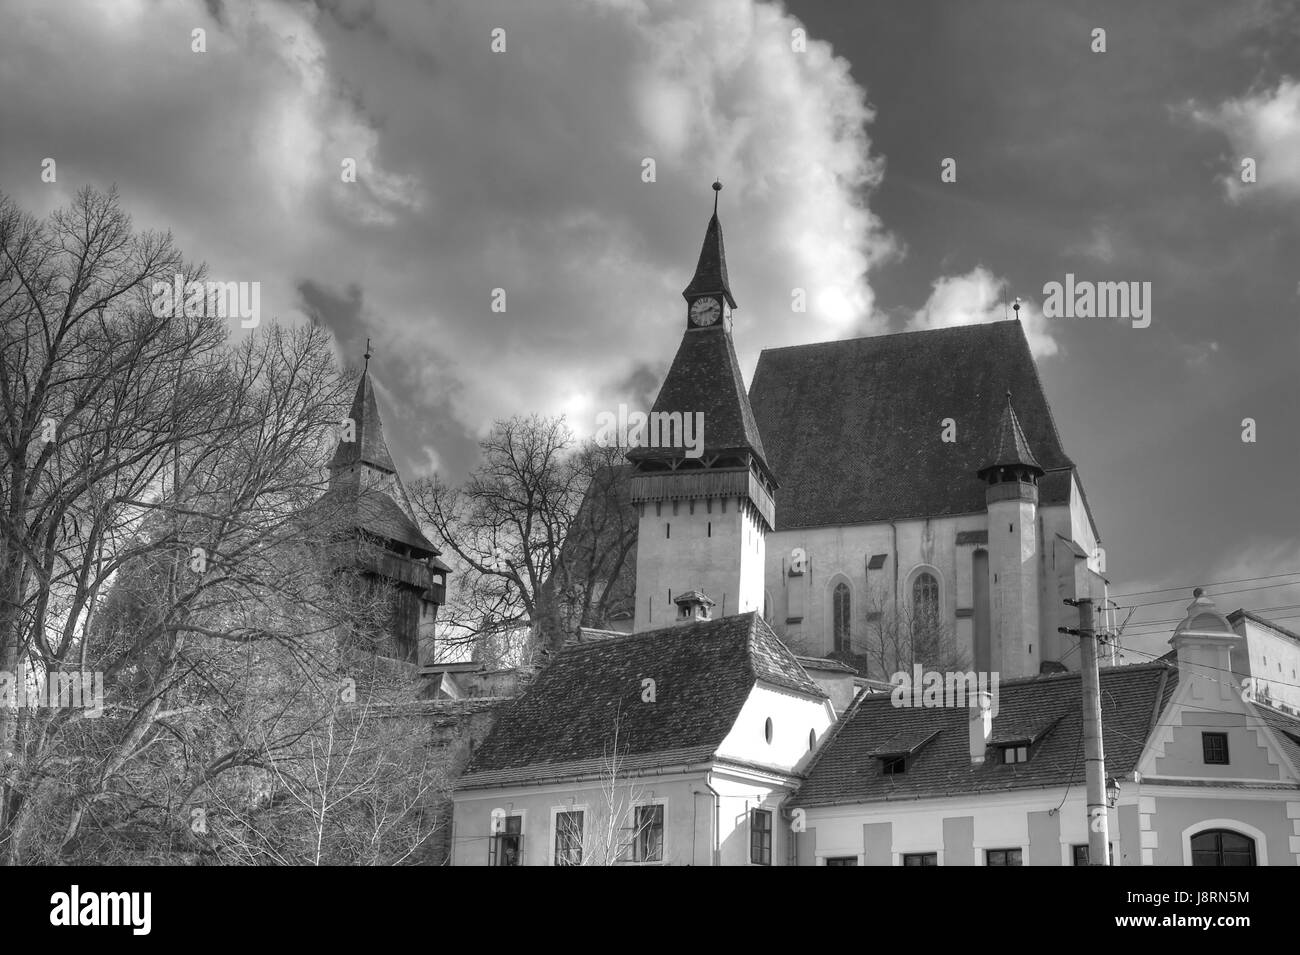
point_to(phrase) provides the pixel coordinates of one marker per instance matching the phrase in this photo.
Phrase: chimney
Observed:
(981, 725)
(1204, 643)
(692, 607)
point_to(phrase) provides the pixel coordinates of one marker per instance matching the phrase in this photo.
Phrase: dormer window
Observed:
(897, 752)
(1014, 753)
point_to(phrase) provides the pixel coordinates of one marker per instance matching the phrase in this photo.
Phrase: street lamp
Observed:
(1112, 791)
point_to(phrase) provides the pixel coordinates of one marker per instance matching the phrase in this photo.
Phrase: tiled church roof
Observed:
(703, 674)
(852, 428)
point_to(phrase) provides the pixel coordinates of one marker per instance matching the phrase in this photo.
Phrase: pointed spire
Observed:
(711, 270)
(1011, 448)
(369, 447)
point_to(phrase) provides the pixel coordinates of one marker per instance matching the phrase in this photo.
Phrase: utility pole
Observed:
(1094, 757)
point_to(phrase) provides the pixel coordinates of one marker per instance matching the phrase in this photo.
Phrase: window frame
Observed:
(1218, 833)
(760, 838)
(638, 833)
(1013, 748)
(556, 815)
(499, 840)
(841, 616)
(1006, 857)
(1074, 853)
(926, 570)
(1206, 738)
(903, 857)
(893, 765)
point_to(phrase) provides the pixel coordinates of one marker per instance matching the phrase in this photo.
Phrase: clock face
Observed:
(705, 311)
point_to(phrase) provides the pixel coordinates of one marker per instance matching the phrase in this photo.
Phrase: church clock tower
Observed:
(703, 519)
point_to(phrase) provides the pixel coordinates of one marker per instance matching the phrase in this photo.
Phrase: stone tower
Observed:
(1012, 474)
(704, 499)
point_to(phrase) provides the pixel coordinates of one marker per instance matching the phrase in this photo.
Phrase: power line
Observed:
(1221, 593)
(1242, 580)
(1139, 625)
(1236, 686)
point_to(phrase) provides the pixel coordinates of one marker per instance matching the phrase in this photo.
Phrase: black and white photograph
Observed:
(648, 433)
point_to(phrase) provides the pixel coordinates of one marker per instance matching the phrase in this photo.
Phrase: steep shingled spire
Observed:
(369, 447)
(711, 270)
(705, 375)
(1012, 448)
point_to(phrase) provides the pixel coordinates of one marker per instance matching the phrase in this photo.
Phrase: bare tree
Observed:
(623, 827)
(159, 525)
(542, 532)
(901, 636)
(887, 638)
(349, 775)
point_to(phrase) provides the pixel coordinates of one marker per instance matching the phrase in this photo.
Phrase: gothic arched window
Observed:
(925, 598)
(841, 614)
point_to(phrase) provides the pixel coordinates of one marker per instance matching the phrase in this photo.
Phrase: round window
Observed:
(767, 729)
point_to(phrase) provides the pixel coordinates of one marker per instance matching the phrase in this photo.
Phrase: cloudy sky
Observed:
(522, 169)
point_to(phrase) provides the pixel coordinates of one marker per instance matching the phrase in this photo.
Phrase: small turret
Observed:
(1012, 471)
(693, 606)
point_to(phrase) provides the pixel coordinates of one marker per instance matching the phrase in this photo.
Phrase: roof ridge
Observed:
(1040, 678)
(947, 329)
(704, 625)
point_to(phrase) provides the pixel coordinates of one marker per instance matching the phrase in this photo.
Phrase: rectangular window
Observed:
(568, 838)
(1081, 854)
(1002, 857)
(649, 842)
(508, 843)
(1214, 746)
(893, 765)
(921, 858)
(760, 837)
(1015, 754)
(842, 860)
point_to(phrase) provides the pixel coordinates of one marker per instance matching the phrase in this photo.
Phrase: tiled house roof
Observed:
(1044, 708)
(852, 428)
(703, 675)
(1286, 728)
